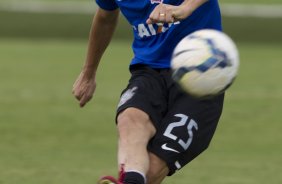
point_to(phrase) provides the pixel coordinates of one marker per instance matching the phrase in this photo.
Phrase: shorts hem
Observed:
(142, 108)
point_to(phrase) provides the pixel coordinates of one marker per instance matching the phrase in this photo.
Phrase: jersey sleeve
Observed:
(107, 4)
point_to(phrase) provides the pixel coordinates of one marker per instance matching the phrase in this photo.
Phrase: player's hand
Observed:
(84, 87)
(165, 13)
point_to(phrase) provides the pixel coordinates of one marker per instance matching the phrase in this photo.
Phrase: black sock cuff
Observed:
(133, 178)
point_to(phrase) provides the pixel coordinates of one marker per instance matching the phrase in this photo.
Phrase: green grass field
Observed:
(46, 138)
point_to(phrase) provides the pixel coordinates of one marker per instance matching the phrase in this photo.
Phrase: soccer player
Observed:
(160, 127)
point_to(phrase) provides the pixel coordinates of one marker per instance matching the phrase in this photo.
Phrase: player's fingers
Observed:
(162, 17)
(82, 102)
(77, 94)
(76, 88)
(149, 21)
(78, 91)
(156, 18)
(153, 17)
(169, 18)
(155, 14)
(85, 98)
(162, 13)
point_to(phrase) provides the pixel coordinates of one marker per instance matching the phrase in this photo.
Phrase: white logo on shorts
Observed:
(164, 146)
(127, 96)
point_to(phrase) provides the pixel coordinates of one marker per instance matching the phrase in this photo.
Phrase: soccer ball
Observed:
(205, 63)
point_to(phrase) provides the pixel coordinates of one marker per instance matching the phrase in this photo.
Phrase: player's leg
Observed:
(135, 130)
(142, 104)
(158, 170)
(141, 107)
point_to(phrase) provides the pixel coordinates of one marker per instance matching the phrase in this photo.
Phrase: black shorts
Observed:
(185, 125)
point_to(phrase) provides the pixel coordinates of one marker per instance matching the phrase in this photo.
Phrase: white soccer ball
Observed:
(205, 63)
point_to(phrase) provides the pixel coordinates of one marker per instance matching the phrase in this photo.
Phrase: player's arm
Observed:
(169, 13)
(102, 29)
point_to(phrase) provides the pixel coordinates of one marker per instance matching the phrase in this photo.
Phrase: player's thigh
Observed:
(135, 123)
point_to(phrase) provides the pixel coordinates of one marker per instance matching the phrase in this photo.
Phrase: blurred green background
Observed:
(61, 25)
(45, 138)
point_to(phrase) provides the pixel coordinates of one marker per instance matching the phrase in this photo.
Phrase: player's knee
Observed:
(135, 121)
(131, 118)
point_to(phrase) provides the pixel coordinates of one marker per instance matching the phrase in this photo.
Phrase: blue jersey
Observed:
(154, 43)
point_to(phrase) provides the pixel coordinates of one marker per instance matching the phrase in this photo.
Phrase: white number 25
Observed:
(183, 121)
